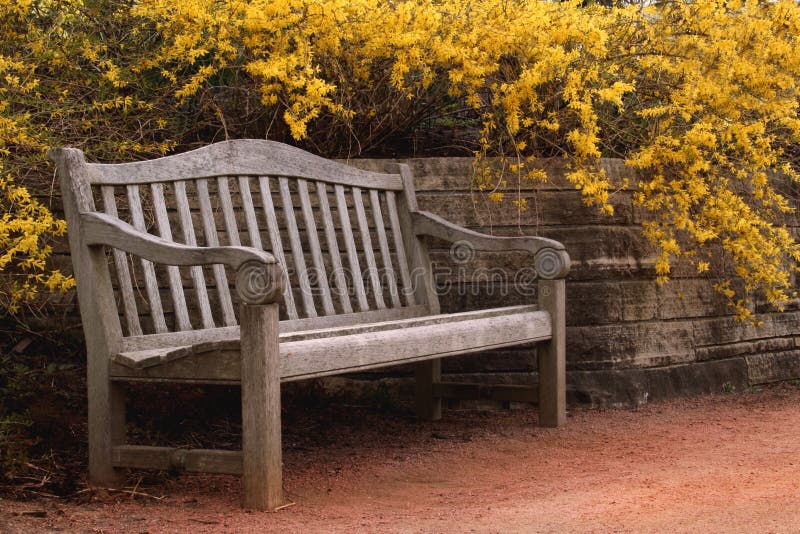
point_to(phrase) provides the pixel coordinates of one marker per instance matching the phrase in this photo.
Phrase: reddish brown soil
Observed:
(723, 463)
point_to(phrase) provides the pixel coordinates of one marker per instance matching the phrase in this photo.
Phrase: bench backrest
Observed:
(341, 234)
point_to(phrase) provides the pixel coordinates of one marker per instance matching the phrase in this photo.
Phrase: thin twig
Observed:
(134, 493)
(136, 487)
(287, 505)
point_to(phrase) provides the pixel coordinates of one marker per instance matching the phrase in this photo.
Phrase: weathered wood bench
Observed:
(323, 305)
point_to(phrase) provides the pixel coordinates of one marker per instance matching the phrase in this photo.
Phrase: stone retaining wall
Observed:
(628, 340)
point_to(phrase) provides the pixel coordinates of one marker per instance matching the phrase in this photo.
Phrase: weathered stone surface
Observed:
(593, 303)
(638, 301)
(757, 347)
(629, 345)
(563, 206)
(783, 324)
(638, 386)
(721, 330)
(452, 174)
(468, 297)
(690, 298)
(763, 368)
(599, 302)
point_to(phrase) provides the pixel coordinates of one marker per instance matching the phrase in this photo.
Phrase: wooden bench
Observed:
(331, 276)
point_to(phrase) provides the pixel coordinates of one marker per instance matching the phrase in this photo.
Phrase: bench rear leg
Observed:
(428, 373)
(261, 408)
(552, 357)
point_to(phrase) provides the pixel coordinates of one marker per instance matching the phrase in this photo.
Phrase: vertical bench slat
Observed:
(297, 248)
(333, 248)
(350, 246)
(212, 240)
(123, 272)
(316, 250)
(150, 282)
(249, 212)
(227, 211)
(277, 245)
(369, 254)
(175, 283)
(187, 228)
(383, 243)
(402, 260)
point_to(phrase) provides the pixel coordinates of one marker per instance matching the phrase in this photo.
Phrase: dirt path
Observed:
(726, 463)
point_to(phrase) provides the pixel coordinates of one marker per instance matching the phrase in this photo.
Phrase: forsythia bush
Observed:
(58, 87)
(701, 96)
(23, 225)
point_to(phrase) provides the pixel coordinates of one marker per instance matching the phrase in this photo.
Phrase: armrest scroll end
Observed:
(551, 263)
(259, 283)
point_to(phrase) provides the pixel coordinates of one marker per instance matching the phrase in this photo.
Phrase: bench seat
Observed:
(330, 351)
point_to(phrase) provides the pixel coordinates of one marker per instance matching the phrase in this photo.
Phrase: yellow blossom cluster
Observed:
(701, 97)
(24, 222)
(23, 253)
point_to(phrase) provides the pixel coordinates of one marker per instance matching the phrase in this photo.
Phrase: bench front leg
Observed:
(552, 356)
(259, 286)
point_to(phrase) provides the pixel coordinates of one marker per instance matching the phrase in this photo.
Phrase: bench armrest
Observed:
(259, 278)
(550, 258)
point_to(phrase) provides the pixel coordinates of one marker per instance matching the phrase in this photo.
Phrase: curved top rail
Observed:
(240, 157)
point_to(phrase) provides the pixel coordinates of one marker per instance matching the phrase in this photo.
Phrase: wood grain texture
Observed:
(150, 282)
(249, 212)
(212, 240)
(363, 351)
(353, 349)
(297, 249)
(400, 249)
(552, 356)
(239, 157)
(426, 223)
(101, 229)
(228, 215)
(101, 324)
(261, 408)
(176, 339)
(172, 459)
(190, 238)
(339, 277)
(321, 273)
(383, 245)
(418, 258)
(366, 247)
(174, 276)
(146, 351)
(276, 243)
(350, 247)
(123, 271)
